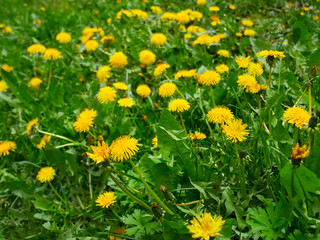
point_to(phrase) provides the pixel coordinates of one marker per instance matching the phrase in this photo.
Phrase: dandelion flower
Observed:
(223, 53)
(107, 94)
(31, 124)
(147, 57)
(167, 89)
(85, 120)
(143, 90)
(270, 53)
(186, 73)
(126, 102)
(239, 34)
(101, 153)
(247, 22)
(46, 174)
(106, 199)
(36, 48)
(179, 105)
(168, 16)
(156, 9)
(7, 68)
(298, 153)
(118, 60)
(91, 45)
(160, 69)
(209, 78)
(7, 146)
(63, 38)
(214, 9)
(107, 39)
(232, 7)
(220, 115)
(249, 32)
(197, 136)
(205, 226)
(158, 39)
(243, 61)
(3, 86)
(35, 83)
(103, 73)
(155, 141)
(297, 116)
(45, 139)
(255, 69)
(248, 82)
(222, 68)
(7, 30)
(235, 130)
(52, 54)
(121, 86)
(201, 3)
(124, 148)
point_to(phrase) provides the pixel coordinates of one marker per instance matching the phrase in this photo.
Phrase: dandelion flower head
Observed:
(209, 78)
(126, 102)
(118, 60)
(103, 73)
(31, 124)
(6, 147)
(124, 148)
(63, 38)
(52, 54)
(167, 89)
(179, 105)
(107, 94)
(235, 130)
(158, 39)
(106, 199)
(143, 90)
(297, 116)
(46, 174)
(147, 57)
(36, 48)
(101, 153)
(220, 115)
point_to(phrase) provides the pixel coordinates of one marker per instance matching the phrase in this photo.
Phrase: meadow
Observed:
(141, 119)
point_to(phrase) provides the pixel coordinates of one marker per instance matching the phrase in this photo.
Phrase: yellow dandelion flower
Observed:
(183, 17)
(195, 29)
(247, 81)
(36, 48)
(255, 69)
(167, 89)
(232, 7)
(107, 39)
(85, 120)
(91, 45)
(270, 53)
(249, 32)
(126, 102)
(52, 54)
(186, 73)
(201, 3)
(214, 9)
(247, 22)
(7, 30)
(209, 78)
(101, 153)
(297, 116)
(63, 38)
(299, 153)
(223, 53)
(35, 83)
(85, 38)
(239, 34)
(235, 130)
(160, 68)
(155, 141)
(156, 10)
(143, 90)
(158, 39)
(31, 124)
(46, 174)
(187, 36)
(7, 68)
(197, 136)
(3, 86)
(243, 61)
(118, 60)
(103, 73)
(139, 14)
(205, 226)
(222, 68)
(7, 146)
(147, 57)
(45, 139)
(106, 199)
(124, 148)
(179, 105)
(168, 16)
(107, 94)
(121, 86)
(220, 115)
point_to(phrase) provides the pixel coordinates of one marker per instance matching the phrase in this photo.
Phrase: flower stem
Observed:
(182, 123)
(211, 92)
(155, 196)
(242, 173)
(72, 144)
(269, 79)
(59, 196)
(55, 135)
(127, 192)
(50, 74)
(310, 103)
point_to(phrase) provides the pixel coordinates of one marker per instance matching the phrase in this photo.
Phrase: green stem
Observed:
(50, 74)
(203, 113)
(55, 135)
(72, 144)
(241, 173)
(128, 193)
(295, 136)
(182, 123)
(269, 79)
(211, 92)
(310, 103)
(155, 196)
(115, 213)
(279, 77)
(4, 163)
(292, 181)
(59, 196)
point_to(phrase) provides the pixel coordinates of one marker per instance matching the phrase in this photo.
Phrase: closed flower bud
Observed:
(157, 211)
(167, 194)
(242, 154)
(313, 121)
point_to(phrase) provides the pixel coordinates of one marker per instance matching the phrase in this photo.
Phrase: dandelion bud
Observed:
(298, 153)
(144, 117)
(243, 154)
(313, 72)
(157, 211)
(313, 121)
(167, 194)
(100, 138)
(215, 185)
